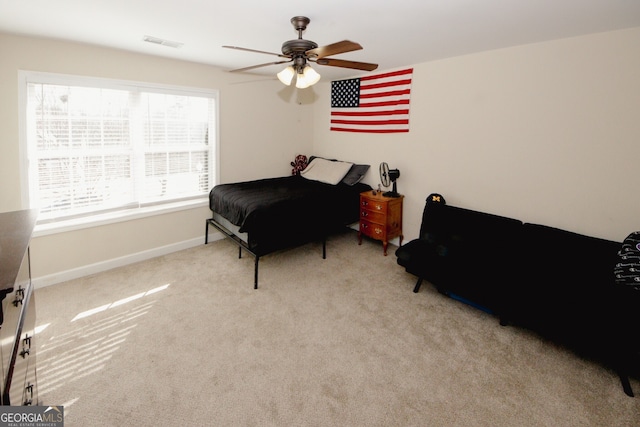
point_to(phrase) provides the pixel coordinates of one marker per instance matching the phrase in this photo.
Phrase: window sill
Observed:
(115, 217)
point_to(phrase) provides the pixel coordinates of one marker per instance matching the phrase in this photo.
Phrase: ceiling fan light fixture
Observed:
(286, 75)
(301, 82)
(311, 75)
(308, 77)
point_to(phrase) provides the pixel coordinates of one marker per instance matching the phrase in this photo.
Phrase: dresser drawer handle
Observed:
(19, 296)
(28, 389)
(364, 213)
(26, 346)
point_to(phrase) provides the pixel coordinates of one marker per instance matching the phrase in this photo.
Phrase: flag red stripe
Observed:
(371, 122)
(372, 113)
(381, 94)
(384, 103)
(385, 84)
(369, 130)
(391, 74)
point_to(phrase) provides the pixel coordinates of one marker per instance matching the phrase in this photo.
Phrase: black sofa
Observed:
(555, 282)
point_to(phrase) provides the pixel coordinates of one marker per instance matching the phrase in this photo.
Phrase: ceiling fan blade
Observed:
(259, 65)
(256, 51)
(333, 49)
(347, 64)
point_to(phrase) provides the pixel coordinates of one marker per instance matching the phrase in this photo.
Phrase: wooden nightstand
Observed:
(380, 218)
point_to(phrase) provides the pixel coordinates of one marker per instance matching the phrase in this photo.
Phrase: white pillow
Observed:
(326, 171)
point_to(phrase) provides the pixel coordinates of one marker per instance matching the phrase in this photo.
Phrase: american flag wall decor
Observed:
(372, 104)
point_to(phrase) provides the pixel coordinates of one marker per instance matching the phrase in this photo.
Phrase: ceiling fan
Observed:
(300, 52)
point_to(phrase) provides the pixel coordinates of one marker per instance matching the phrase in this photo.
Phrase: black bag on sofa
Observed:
(627, 270)
(627, 276)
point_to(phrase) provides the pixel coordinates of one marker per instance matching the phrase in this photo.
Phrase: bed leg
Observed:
(239, 252)
(206, 232)
(324, 248)
(416, 288)
(255, 274)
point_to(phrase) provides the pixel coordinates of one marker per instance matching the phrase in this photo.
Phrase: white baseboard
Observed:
(86, 270)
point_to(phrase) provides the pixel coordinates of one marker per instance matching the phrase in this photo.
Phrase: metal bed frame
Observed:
(244, 245)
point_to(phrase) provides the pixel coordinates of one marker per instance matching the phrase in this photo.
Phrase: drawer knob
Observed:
(19, 296)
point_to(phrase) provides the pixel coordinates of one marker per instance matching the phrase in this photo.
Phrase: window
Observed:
(96, 146)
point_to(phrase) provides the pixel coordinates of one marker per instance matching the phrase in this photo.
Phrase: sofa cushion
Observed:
(566, 286)
(576, 261)
(426, 259)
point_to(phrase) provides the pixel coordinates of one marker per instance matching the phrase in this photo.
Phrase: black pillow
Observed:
(355, 174)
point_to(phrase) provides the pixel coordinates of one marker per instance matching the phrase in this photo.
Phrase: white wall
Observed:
(545, 133)
(257, 121)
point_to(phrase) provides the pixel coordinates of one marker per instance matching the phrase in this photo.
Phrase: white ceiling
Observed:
(393, 33)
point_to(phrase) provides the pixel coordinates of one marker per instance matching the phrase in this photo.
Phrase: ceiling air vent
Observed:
(163, 42)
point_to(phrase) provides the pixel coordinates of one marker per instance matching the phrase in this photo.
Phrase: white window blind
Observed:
(96, 147)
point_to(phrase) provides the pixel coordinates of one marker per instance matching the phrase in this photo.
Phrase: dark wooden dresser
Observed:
(18, 315)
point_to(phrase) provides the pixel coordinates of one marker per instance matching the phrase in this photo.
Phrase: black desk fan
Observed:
(387, 176)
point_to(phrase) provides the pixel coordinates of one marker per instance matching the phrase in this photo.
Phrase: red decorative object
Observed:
(299, 164)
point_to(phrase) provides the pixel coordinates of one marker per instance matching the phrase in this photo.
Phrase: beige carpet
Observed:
(185, 340)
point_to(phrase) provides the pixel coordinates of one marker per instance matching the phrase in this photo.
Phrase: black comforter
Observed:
(286, 205)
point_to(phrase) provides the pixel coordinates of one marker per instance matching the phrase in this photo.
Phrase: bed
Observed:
(271, 214)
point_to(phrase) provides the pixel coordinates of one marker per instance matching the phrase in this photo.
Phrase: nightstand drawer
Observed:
(373, 216)
(373, 205)
(373, 230)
